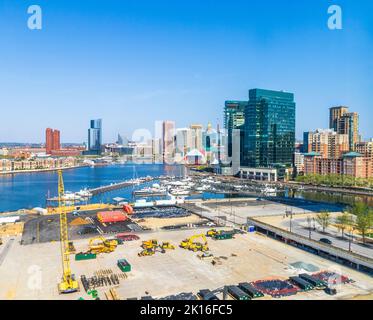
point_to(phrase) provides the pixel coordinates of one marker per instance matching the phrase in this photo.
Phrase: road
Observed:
(300, 226)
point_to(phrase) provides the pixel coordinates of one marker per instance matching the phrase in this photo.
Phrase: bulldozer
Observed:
(101, 245)
(191, 244)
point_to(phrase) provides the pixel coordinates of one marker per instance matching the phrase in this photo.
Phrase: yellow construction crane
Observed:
(68, 283)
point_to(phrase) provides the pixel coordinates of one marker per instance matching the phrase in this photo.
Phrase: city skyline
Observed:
(140, 67)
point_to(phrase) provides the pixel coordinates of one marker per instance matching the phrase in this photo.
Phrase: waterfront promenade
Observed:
(43, 170)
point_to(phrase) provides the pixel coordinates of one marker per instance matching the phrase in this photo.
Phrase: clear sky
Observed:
(132, 62)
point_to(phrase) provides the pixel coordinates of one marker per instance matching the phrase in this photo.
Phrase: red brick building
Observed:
(52, 140)
(351, 164)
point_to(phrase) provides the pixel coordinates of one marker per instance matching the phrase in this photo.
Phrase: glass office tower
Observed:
(269, 129)
(234, 118)
(95, 136)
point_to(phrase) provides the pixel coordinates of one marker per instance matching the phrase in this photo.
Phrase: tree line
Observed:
(359, 217)
(337, 180)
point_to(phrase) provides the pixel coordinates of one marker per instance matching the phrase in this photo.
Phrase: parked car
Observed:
(326, 241)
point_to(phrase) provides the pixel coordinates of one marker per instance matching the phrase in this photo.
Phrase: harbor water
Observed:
(30, 190)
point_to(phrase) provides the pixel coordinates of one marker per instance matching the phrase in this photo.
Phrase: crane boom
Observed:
(68, 284)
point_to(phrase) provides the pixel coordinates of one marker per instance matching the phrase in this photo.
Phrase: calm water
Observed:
(30, 190)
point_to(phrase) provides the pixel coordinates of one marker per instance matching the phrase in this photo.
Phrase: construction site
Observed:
(204, 251)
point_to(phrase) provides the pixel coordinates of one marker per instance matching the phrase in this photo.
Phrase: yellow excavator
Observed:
(150, 247)
(191, 244)
(68, 284)
(101, 245)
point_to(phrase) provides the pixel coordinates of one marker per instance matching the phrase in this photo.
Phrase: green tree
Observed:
(343, 222)
(323, 219)
(364, 218)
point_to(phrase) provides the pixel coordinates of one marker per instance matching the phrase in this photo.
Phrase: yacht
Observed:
(84, 193)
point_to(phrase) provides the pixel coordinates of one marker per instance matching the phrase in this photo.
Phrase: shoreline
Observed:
(4, 173)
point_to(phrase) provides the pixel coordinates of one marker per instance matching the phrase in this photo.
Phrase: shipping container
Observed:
(124, 266)
(237, 293)
(250, 290)
(85, 256)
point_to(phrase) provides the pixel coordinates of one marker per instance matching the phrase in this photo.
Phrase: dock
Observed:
(124, 184)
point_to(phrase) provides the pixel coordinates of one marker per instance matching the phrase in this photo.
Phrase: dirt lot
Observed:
(32, 272)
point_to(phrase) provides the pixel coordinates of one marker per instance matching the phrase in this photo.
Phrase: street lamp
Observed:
(309, 220)
(351, 239)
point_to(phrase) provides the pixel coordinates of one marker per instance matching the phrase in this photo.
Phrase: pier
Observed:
(121, 185)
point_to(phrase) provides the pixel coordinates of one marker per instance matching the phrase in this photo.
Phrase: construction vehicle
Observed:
(68, 283)
(211, 233)
(167, 246)
(101, 245)
(191, 244)
(72, 249)
(205, 256)
(147, 252)
(150, 244)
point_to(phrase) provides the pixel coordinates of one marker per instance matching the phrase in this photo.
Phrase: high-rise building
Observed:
(168, 140)
(344, 122)
(52, 140)
(56, 140)
(184, 141)
(197, 136)
(269, 129)
(95, 136)
(326, 142)
(234, 119)
(49, 140)
(335, 114)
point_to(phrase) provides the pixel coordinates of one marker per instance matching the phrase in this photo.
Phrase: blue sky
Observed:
(132, 62)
